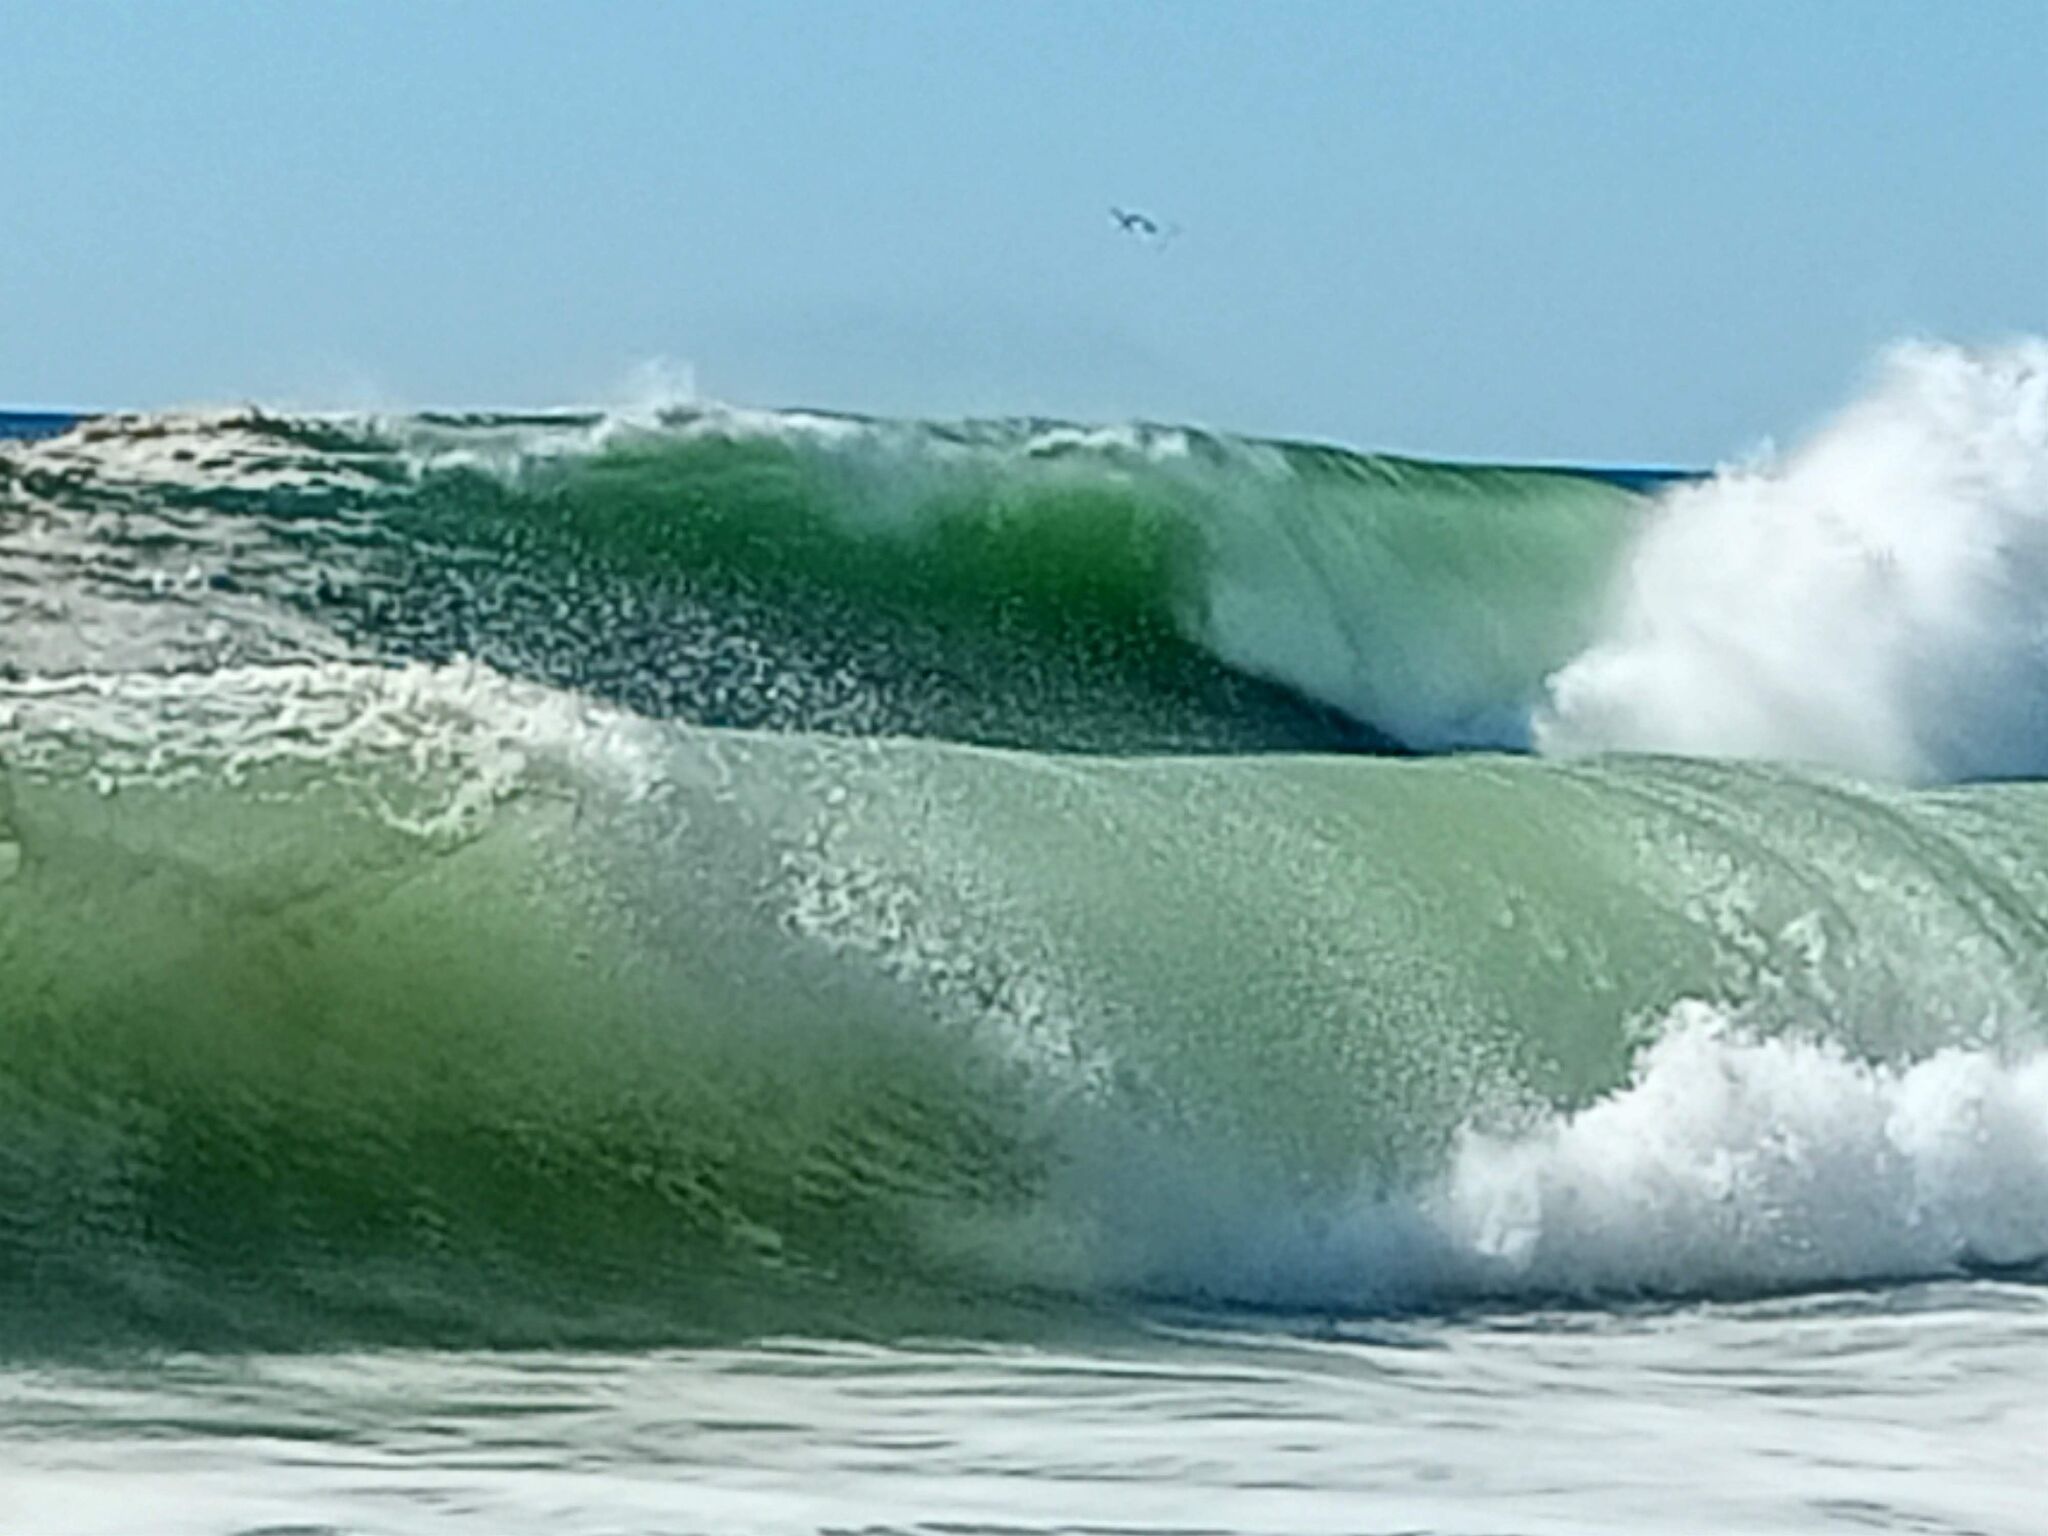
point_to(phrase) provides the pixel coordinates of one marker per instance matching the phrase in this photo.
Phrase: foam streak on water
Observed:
(1918, 1413)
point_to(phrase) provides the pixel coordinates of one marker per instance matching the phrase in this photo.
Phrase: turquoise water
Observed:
(751, 971)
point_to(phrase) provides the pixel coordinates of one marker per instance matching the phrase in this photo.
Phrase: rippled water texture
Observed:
(1915, 1411)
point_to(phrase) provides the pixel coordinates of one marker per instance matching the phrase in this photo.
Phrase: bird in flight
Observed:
(1142, 225)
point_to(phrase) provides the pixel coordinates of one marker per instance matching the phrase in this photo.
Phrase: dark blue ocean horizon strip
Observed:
(1646, 482)
(25, 424)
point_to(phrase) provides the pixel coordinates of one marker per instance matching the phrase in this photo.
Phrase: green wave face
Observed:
(516, 1021)
(1026, 585)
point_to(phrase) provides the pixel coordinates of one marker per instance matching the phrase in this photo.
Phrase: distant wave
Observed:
(1132, 588)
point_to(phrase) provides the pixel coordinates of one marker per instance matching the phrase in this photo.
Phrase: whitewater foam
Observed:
(1729, 1164)
(467, 738)
(1876, 600)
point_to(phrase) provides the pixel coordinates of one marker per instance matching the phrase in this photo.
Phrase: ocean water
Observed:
(693, 969)
(22, 425)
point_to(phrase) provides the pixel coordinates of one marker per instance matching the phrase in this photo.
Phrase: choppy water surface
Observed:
(1915, 1410)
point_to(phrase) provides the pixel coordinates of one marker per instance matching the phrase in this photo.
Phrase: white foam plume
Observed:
(1728, 1164)
(1735, 1163)
(1876, 601)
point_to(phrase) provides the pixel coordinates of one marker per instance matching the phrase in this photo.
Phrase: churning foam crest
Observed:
(1729, 1164)
(1875, 601)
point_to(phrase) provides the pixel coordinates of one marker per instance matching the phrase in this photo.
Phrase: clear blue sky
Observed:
(1619, 231)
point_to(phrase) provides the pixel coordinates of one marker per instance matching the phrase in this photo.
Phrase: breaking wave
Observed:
(577, 878)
